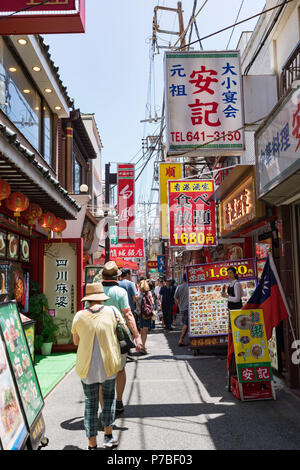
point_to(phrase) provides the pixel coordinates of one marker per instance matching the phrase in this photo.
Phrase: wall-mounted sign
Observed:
(31, 17)
(204, 101)
(126, 186)
(278, 145)
(167, 171)
(152, 264)
(192, 220)
(128, 250)
(62, 282)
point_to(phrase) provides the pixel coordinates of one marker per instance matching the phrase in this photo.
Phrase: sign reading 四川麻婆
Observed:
(192, 220)
(204, 105)
(38, 17)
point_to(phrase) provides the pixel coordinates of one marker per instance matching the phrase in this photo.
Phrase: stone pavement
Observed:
(177, 401)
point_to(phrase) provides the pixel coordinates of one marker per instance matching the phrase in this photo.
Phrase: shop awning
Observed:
(22, 170)
(121, 263)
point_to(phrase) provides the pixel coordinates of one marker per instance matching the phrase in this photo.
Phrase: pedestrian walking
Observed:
(129, 286)
(146, 304)
(181, 297)
(167, 300)
(98, 361)
(118, 298)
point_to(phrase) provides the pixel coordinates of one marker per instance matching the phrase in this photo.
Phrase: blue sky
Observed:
(106, 70)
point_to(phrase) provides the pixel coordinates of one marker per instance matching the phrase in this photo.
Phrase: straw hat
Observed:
(94, 292)
(110, 269)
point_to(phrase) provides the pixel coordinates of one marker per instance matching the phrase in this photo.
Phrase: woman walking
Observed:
(98, 362)
(146, 305)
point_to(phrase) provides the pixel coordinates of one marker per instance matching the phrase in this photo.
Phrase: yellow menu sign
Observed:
(250, 346)
(167, 171)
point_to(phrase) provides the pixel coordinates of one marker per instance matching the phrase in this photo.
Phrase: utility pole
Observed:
(110, 178)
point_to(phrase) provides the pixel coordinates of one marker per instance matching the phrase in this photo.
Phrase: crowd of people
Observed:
(99, 363)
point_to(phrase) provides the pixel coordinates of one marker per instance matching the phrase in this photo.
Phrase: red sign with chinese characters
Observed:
(126, 228)
(128, 250)
(55, 16)
(192, 220)
(152, 264)
(219, 271)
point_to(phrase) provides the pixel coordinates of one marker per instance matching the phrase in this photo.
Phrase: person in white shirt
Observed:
(234, 292)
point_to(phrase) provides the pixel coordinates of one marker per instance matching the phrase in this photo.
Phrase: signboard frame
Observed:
(250, 340)
(208, 232)
(163, 194)
(12, 342)
(20, 441)
(224, 129)
(127, 226)
(205, 283)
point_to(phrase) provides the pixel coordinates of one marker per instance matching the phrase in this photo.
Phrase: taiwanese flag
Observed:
(269, 297)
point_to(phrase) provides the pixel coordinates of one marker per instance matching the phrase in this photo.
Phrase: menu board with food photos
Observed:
(208, 312)
(13, 431)
(20, 359)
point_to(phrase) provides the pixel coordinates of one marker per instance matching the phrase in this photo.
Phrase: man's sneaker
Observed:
(110, 441)
(119, 407)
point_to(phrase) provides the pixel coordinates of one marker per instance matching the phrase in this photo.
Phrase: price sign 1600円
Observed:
(192, 220)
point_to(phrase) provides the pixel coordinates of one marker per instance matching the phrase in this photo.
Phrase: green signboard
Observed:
(20, 358)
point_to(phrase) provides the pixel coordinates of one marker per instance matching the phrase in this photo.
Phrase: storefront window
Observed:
(77, 172)
(22, 103)
(47, 134)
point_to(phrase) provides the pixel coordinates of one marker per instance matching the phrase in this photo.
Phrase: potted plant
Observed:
(39, 311)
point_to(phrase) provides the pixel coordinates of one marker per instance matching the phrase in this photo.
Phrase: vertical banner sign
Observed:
(204, 101)
(126, 186)
(161, 263)
(62, 278)
(167, 171)
(251, 353)
(192, 219)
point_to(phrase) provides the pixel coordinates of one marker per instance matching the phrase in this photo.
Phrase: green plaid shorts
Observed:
(91, 398)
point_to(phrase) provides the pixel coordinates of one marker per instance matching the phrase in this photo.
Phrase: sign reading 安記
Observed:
(204, 101)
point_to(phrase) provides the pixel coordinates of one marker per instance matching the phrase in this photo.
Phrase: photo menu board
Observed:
(13, 431)
(208, 312)
(20, 359)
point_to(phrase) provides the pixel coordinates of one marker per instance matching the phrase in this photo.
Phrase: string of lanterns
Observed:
(18, 203)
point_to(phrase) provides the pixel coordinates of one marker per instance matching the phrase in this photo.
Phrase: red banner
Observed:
(128, 250)
(126, 228)
(218, 271)
(55, 16)
(152, 264)
(192, 220)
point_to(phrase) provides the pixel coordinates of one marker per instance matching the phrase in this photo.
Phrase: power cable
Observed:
(24, 9)
(241, 6)
(236, 24)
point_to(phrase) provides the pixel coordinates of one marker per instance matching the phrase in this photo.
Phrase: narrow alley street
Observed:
(177, 401)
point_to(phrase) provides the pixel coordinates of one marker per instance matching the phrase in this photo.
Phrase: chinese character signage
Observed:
(278, 145)
(167, 171)
(192, 221)
(211, 272)
(239, 207)
(56, 16)
(204, 101)
(128, 250)
(62, 280)
(152, 264)
(250, 346)
(208, 310)
(126, 187)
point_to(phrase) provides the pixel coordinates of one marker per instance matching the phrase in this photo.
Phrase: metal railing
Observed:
(290, 71)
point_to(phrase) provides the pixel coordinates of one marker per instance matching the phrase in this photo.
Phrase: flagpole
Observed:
(273, 267)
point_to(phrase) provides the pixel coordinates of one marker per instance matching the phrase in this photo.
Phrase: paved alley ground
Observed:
(177, 401)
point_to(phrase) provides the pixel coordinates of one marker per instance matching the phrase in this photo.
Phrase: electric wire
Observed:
(238, 15)
(24, 9)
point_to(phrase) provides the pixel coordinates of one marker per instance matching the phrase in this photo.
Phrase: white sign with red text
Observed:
(204, 102)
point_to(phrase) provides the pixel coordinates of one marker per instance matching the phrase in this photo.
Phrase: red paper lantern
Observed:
(59, 226)
(4, 190)
(47, 221)
(17, 203)
(32, 214)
